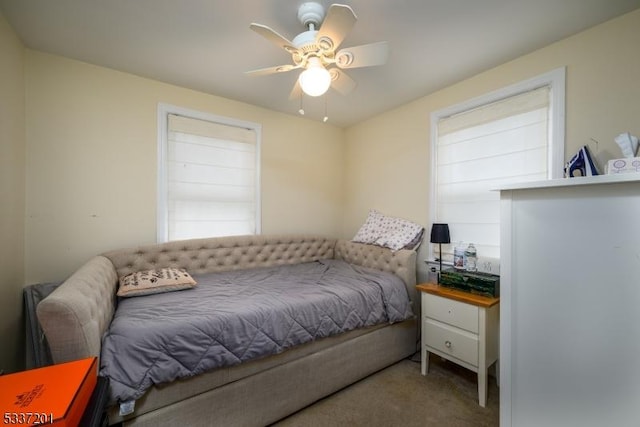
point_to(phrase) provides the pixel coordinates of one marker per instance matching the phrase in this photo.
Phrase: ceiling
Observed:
(207, 45)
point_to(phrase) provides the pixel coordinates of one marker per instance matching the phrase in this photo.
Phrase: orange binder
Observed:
(55, 395)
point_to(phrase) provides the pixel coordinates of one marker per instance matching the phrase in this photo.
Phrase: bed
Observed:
(326, 343)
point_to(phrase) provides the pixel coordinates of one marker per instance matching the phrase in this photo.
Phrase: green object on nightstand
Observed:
(476, 283)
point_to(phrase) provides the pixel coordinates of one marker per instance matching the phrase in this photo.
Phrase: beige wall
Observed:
(91, 163)
(89, 153)
(12, 188)
(387, 157)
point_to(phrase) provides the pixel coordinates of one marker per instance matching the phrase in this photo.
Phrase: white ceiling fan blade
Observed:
(341, 82)
(271, 70)
(296, 92)
(366, 55)
(337, 24)
(274, 37)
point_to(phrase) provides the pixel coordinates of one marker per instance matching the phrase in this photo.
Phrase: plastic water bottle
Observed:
(471, 257)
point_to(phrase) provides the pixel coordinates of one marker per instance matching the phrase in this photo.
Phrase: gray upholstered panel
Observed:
(78, 312)
(209, 255)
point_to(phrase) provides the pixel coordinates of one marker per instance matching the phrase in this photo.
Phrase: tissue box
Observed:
(626, 165)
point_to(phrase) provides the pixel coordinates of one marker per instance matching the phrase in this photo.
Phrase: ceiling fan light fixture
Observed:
(315, 51)
(316, 79)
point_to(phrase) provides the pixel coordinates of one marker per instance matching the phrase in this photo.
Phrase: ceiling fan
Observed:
(315, 50)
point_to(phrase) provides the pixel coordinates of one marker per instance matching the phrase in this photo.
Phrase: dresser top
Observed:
(454, 294)
(574, 182)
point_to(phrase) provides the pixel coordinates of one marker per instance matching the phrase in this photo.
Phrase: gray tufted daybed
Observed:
(77, 314)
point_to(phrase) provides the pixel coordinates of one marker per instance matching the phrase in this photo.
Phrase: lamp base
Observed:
(440, 259)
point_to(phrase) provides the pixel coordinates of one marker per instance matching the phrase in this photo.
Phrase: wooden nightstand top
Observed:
(454, 294)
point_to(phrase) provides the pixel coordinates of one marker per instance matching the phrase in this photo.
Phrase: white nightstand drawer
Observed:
(452, 312)
(451, 341)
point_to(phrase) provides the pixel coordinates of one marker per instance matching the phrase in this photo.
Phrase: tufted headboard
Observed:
(210, 255)
(402, 263)
(75, 316)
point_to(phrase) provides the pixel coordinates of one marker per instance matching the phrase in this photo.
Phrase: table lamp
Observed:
(440, 235)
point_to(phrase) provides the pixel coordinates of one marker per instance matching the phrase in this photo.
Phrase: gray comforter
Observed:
(236, 316)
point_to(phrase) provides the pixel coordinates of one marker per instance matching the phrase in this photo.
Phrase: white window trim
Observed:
(555, 79)
(163, 112)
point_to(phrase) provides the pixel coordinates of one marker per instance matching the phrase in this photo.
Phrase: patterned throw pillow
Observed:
(370, 230)
(155, 281)
(390, 232)
(398, 233)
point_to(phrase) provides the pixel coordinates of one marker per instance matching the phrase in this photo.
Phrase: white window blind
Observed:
(479, 150)
(211, 174)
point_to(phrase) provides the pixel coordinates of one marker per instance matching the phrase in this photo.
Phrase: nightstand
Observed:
(461, 327)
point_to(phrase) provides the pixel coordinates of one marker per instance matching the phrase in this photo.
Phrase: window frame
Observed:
(162, 217)
(555, 79)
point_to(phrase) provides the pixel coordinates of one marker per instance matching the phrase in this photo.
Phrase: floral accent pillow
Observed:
(370, 230)
(391, 232)
(155, 281)
(397, 233)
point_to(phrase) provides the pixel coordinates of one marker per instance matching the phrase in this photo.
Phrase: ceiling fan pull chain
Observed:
(326, 116)
(301, 110)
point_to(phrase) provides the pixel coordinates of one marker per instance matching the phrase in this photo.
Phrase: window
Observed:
(509, 136)
(208, 175)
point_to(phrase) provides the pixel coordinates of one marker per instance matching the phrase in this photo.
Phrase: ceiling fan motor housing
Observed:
(311, 13)
(303, 39)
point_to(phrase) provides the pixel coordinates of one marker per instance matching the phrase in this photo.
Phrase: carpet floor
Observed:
(400, 396)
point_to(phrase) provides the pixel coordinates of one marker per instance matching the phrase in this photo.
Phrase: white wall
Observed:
(387, 157)
(12, 188)
(91, 163)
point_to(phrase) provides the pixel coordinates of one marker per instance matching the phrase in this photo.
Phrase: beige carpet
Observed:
(401, 396)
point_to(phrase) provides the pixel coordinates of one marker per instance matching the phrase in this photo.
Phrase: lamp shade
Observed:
(440, 233)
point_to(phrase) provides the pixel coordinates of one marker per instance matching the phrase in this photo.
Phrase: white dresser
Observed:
(570, 303)
(461, 327)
